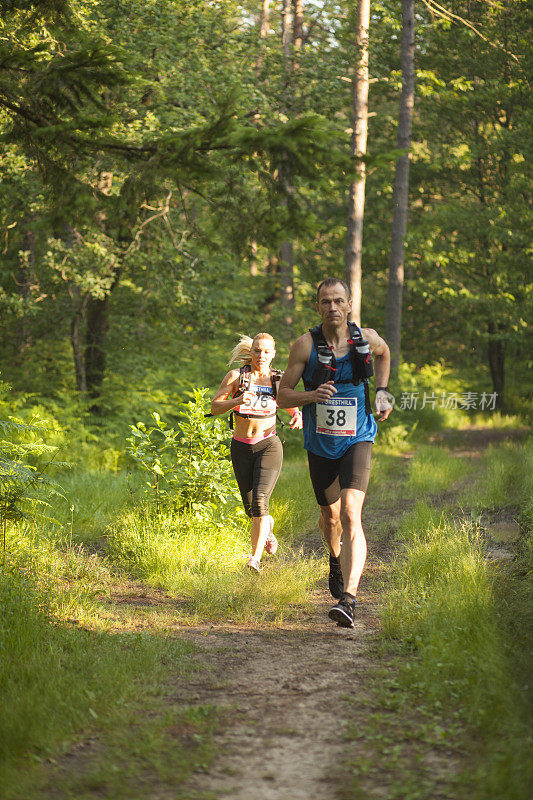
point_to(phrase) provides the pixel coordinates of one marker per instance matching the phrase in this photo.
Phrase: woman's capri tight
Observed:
(257, 467)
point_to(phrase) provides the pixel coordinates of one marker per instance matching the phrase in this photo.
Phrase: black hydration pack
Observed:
(360, 358)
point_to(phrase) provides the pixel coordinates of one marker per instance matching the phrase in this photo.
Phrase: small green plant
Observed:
(23, 483)
(188, 465)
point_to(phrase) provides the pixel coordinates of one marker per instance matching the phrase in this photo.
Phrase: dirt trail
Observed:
(284, 695)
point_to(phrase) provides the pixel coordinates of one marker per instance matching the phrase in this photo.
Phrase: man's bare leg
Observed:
(329, 523)
(353, 553)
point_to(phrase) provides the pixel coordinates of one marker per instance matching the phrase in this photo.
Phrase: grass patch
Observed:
(57, 680)
(434, 470)
(453, 613)
(203, 564)
(506, 480)
(202, 561)
(451, 682)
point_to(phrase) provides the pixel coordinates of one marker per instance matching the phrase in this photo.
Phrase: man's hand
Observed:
(324, 392)
(384, 406)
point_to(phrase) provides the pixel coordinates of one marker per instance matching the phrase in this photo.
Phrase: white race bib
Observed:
(337, 417)
(263, 403)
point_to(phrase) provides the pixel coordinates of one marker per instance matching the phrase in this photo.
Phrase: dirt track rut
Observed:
(282, 695)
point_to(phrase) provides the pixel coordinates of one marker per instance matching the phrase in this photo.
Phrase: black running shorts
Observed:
(330, 476)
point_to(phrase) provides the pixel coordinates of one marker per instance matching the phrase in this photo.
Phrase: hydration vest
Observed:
(325, 368)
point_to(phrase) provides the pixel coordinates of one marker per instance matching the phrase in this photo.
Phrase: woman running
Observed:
(256, 451)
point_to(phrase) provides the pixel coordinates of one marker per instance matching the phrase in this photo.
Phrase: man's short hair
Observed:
(333, 282)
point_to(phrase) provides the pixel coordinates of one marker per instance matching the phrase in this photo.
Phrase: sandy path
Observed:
(282, 695)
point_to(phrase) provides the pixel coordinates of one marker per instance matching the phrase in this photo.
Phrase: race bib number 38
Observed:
(337, 417)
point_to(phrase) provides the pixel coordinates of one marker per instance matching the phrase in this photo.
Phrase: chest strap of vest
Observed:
(326, 364)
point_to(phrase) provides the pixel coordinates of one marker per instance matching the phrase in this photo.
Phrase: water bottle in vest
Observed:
(364, 358)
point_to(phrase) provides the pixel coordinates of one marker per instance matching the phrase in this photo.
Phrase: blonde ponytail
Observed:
(243, 349)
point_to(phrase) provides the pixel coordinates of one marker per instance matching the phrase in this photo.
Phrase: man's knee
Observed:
(352, 504)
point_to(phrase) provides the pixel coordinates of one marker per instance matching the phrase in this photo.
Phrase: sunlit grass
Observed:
(57, 679)
(91, 501)
(434, 470)
(203, 563)
(506, 480)
(457, 614)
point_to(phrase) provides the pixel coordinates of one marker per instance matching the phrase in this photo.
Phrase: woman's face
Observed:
(263, 352)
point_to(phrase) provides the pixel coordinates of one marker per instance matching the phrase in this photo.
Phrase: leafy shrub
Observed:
(188, 465)
(23, 483)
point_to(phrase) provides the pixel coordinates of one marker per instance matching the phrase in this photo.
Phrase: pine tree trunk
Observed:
(286, 28)
(286, 269)
(298, 16)
(25, 275)
(265, 21)
(356, 203)
(286, 253)
(95, 352)
(496, 354)
(76, 340)
(393, 318)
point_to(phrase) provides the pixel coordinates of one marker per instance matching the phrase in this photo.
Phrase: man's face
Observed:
(333, 305)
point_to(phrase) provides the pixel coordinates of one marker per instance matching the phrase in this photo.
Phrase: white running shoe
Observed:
(271, 544)
(253, 563)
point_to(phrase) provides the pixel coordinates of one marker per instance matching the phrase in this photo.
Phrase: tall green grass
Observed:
(468, 625)
(54, 679)
(203, 563)
(506, 480)
(434, 469)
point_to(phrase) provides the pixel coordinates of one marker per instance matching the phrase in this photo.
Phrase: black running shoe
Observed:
(336, 583)
(343, 613)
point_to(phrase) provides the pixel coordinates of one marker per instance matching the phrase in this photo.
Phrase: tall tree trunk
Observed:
(95, 352)
(393, 318)
(356, 203)
(291, 38)
(286, 268)
(76, 340)
(265, 21)
(496, 354)
(286, 29)
(263, 34)
(298, 17)
(25, 276)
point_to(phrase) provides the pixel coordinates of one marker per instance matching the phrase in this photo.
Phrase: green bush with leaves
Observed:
(188, 465)
(24, 457)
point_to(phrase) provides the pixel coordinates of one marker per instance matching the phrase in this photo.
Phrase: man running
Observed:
(335, 363)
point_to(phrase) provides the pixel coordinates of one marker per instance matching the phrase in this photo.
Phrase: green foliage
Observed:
(23, 484)
(188, 465)
(465, 624)
(57, 680)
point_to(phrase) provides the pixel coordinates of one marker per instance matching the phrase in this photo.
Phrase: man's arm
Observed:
(298, 358)
(381, 354)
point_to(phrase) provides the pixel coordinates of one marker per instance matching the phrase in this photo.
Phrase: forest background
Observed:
(175, 173)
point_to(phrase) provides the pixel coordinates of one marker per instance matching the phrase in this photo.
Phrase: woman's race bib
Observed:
(337, 417)
(263, 404)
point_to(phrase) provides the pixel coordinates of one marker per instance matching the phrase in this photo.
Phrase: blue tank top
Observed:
(335, 417)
